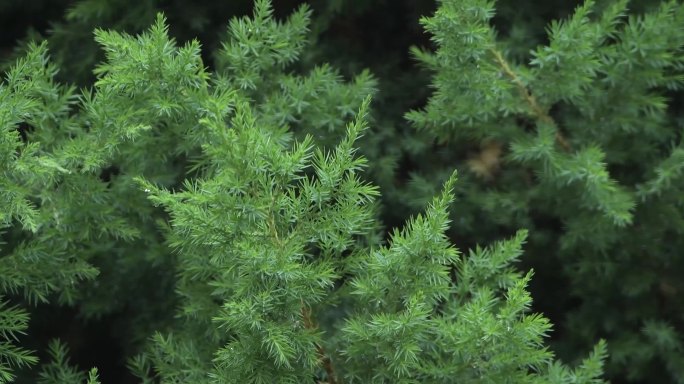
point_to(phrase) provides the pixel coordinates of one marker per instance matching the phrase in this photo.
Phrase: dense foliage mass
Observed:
(242, 212)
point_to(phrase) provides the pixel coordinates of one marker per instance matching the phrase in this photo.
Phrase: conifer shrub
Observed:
(268, 229)
(579, 142)
(236, 202)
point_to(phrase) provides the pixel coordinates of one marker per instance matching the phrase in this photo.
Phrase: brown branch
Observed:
(327, 363)
(306, 312)
(539, 112)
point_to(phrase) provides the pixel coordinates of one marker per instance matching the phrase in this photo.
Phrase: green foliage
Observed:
(226, 211)
(149, 93)
(583, 135)
(253, 58)
(265, 238)
(13, 321)
(58, 371)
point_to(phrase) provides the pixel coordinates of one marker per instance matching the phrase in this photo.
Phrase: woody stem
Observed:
(327, 363)
(538, 111)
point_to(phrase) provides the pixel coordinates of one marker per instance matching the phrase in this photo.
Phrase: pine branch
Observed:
(540, 113)
(325, 359)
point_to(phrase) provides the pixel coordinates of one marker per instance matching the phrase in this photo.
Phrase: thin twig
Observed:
(327, 363)
(530, 99)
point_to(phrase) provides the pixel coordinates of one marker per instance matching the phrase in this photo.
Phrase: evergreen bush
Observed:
(227, 210)
(587, 136)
